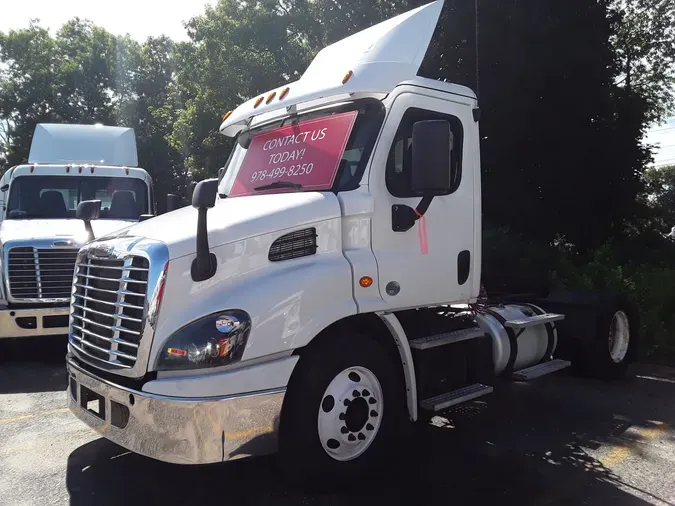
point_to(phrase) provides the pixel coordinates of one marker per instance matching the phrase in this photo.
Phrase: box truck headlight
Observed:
(214, 340)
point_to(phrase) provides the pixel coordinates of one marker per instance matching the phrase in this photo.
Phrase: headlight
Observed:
(211, 341)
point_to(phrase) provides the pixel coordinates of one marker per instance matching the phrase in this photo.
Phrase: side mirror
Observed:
(204, 195)
(172, 202)
(432, 143)
(87, 211)
(204, 198)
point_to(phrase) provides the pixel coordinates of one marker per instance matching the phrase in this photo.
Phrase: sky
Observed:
(664, 137)
(138, 18)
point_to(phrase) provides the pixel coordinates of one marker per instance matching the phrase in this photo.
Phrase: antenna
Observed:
(475, 7)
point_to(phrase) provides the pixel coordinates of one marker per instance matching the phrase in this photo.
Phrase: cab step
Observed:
(424, 343)
(531, 321)
(443, 401)
(539, 370)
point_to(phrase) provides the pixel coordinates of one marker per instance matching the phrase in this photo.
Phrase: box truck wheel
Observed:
(608, 354)
(343, 409)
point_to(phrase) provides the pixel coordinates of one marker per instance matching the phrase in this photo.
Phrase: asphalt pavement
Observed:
(559, 440)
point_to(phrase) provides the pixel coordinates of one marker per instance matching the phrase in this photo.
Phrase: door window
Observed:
(399, 163)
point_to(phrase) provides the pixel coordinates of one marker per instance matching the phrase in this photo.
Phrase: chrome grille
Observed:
(108, 308)
(40, 274)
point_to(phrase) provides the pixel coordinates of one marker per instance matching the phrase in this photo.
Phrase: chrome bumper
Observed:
(177, 430)
(40, 322)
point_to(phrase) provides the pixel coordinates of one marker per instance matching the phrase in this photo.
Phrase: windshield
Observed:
(325, 150)
(57, 197)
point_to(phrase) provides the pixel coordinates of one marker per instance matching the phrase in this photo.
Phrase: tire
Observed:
(608, 353)
(315, 407)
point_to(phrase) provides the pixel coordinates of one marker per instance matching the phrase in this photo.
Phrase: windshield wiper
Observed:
(279, 184)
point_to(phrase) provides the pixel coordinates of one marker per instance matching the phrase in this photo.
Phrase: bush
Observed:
(643, 268)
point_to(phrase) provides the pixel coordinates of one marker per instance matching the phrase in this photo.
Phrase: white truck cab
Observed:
(326, 288)
(39, 232)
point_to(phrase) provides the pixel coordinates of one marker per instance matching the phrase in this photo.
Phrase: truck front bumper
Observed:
(177, 430)
(33, 322)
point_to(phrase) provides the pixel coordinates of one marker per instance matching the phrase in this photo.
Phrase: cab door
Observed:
(432, 262)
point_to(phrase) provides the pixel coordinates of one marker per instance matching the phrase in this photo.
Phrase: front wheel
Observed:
(343, 409)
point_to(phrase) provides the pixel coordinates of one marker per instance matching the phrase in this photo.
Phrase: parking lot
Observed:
(559, 440)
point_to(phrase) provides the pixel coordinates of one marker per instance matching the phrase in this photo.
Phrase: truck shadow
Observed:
(30, 365)
(532, 444)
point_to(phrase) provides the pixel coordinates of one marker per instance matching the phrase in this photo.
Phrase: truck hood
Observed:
(12, 230)
(234, 219)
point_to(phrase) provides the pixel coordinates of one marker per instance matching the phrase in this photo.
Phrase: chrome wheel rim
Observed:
(619, 337)
(350, 413)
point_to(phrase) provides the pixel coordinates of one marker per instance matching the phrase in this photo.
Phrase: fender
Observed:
(401, 340)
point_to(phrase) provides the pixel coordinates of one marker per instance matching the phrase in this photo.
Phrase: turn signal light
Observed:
(366, 281)
(347, 77)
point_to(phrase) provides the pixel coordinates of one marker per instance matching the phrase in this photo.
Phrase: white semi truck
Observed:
(39, 233)
(326, 290)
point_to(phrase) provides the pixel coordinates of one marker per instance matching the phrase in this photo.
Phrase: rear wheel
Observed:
(619, 337)
(343, 409)
(607, 355)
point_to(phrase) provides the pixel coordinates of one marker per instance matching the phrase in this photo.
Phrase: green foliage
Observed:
(644, 42)
(660, 185)
(239, 49)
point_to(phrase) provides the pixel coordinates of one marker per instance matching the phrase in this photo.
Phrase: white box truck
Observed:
(326, 290)
(39, 232)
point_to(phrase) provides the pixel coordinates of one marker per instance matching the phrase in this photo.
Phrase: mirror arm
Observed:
(423, 206)
(403, 217)
(89, 229)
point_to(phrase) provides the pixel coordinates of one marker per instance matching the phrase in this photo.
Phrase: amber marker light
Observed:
(176, 351)
(270, 97)
(227, 115)
(366, 281)
(347, 77)
(258, 102)
(283, 93)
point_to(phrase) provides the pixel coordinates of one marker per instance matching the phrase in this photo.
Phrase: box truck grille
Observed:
(40, 274)
(108, 308)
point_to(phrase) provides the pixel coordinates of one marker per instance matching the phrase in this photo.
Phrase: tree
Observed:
(143, 102)
(62, 79)
(661, 190)
(238, 50)
(644, 43)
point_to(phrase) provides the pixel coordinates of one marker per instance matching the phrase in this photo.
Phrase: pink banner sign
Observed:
(307, 153)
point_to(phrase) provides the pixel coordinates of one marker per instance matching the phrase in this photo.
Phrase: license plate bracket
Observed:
(92, 402)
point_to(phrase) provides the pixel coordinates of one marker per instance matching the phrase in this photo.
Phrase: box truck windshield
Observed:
(54, 197)
(318, 151)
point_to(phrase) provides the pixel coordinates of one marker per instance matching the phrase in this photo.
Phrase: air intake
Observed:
(300, 243)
